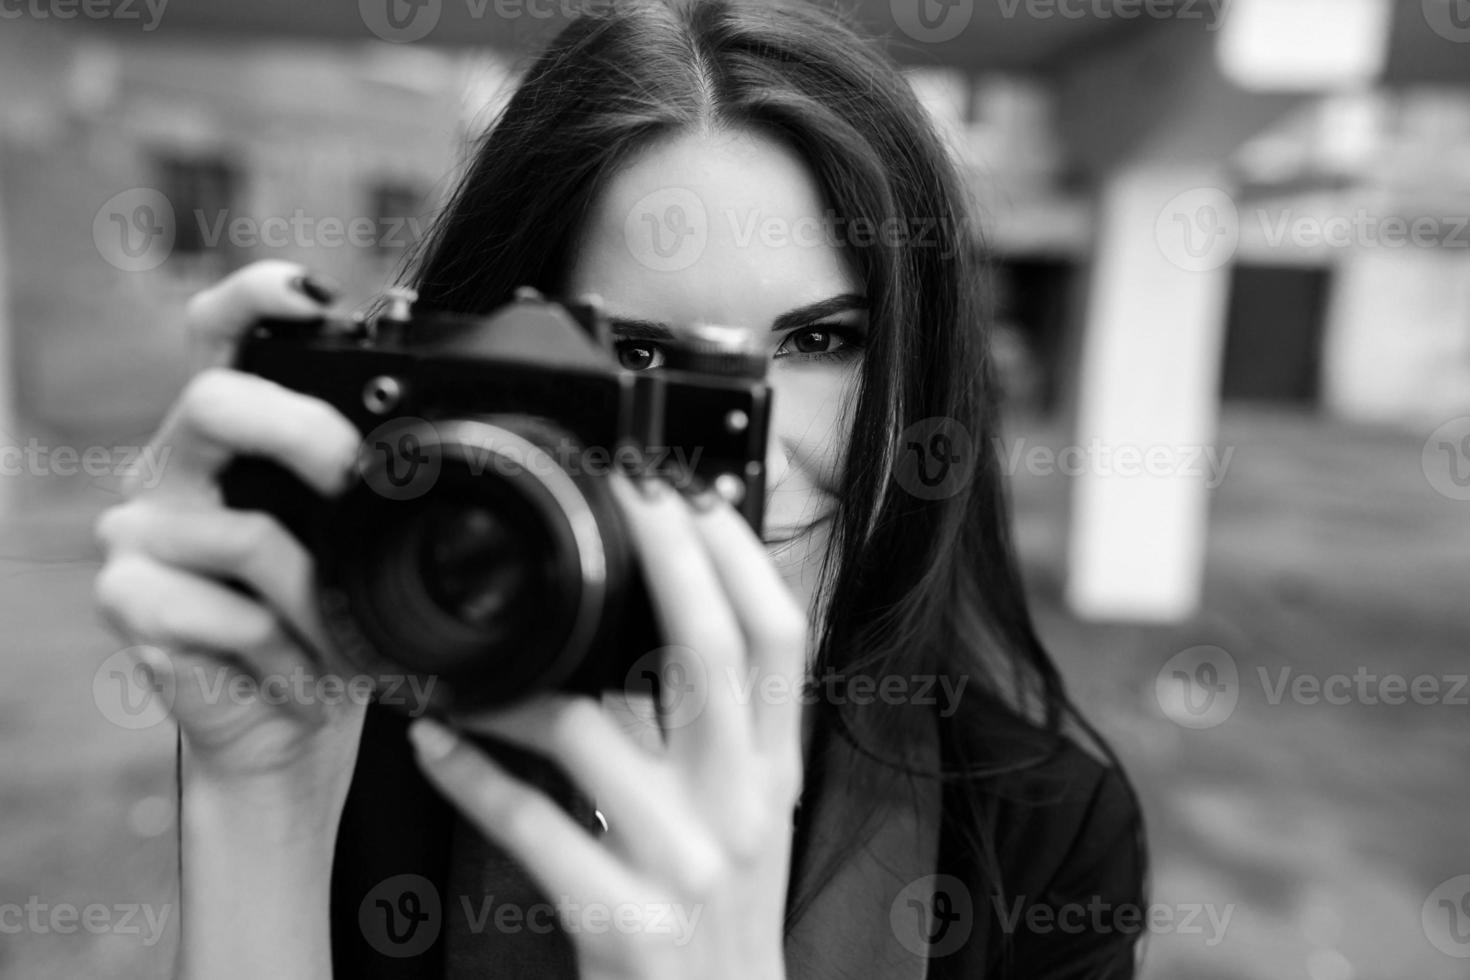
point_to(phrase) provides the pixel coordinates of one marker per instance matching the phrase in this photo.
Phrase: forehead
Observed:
(725, 228)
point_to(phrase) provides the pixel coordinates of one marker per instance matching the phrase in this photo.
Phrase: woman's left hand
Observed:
(692, 871)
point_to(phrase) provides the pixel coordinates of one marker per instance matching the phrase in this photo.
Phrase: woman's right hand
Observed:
(243, 669)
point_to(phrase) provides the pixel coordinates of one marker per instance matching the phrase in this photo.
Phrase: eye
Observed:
(639, 355)
(818, 340)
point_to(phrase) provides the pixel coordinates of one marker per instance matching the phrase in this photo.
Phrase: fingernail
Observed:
(652, 488)
(700, 494)
(706, 500)
(317, 287)
(432, 739)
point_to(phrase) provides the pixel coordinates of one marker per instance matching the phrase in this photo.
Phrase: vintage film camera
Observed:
(478, 550)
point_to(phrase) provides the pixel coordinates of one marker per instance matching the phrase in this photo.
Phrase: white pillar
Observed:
(1148, 398)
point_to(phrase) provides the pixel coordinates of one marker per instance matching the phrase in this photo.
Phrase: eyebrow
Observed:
(801, 316)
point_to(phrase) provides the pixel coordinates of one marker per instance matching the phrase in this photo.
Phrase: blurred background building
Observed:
(1239, 229)
(1297, 206)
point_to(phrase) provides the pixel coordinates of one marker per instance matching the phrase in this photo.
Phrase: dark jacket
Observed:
(888, 874)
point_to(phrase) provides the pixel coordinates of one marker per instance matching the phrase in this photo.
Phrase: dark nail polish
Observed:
(318, 288)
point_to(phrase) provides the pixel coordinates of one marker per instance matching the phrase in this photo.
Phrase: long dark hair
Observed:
(917, 582)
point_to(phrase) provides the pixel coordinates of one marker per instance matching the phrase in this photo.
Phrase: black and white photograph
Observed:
(735, 489)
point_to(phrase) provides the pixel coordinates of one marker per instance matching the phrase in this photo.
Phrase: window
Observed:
(203, 191)
(395, 206)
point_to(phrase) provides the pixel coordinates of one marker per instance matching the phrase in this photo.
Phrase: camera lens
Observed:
(479, 566)
(494, 581)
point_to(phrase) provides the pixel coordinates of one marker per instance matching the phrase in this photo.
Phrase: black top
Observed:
(1069, 843)
(886, 879)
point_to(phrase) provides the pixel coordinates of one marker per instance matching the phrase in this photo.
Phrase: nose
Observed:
(783, 442)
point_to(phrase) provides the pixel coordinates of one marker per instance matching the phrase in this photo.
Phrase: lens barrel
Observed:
(496, 579)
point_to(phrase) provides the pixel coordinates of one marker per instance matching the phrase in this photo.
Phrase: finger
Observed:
(248, 546)
(702, 637)
(163, 606)
(633, 790)
(223, 414)
(771, 620)
(219, 315)
(562, 858)
(635, 714)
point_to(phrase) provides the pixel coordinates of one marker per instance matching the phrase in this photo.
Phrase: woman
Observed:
(922, 810)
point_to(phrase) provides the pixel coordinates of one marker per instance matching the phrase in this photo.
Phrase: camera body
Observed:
(477, 552)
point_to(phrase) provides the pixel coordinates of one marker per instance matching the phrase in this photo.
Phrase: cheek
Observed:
(811, 420)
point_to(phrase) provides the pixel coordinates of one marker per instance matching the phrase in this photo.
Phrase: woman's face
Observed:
(731, 229)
